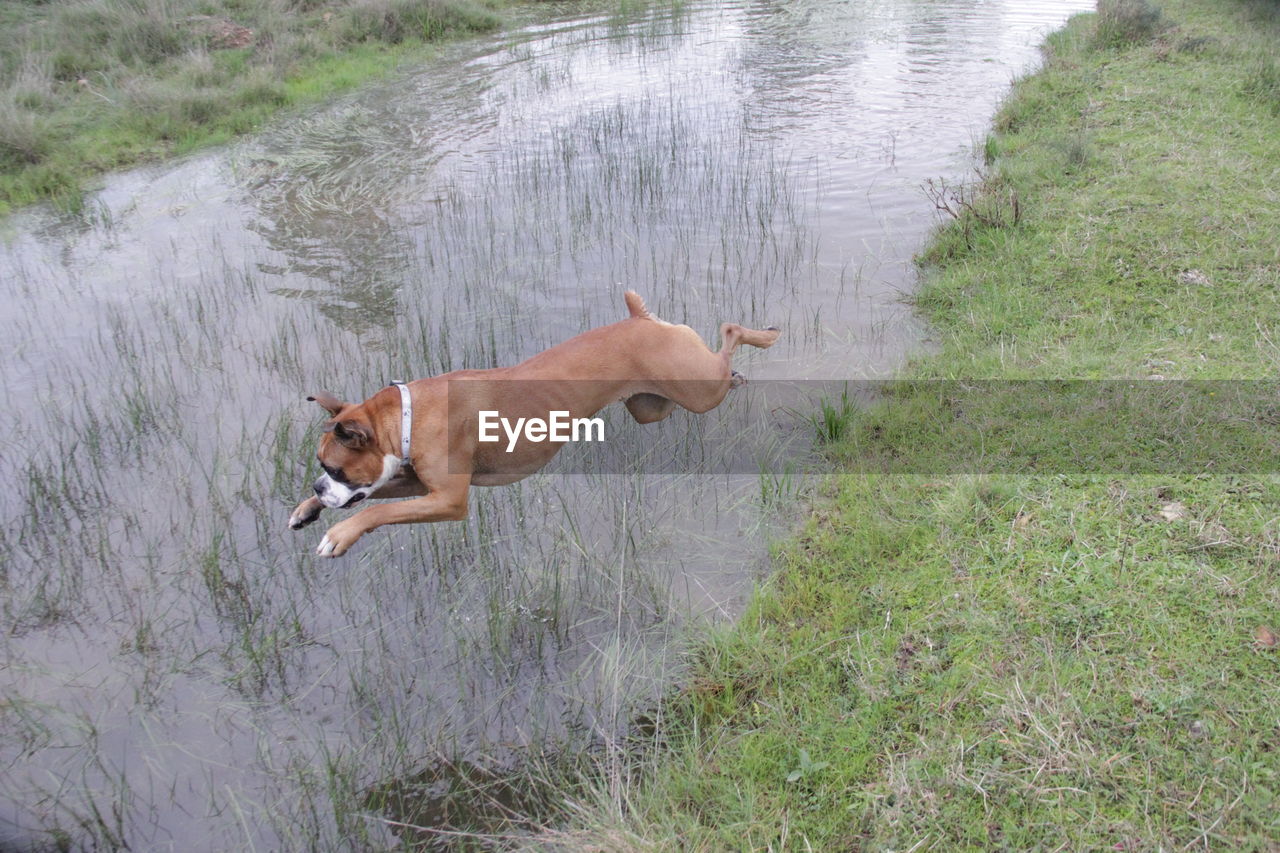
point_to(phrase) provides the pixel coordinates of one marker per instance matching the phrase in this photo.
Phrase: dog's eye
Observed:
(334, 473)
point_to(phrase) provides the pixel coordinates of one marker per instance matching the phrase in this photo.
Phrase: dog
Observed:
(422, 440)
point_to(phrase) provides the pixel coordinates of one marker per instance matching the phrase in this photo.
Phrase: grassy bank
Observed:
(92, 85)
(1075, 658)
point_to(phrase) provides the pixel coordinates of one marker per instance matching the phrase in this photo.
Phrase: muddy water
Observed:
(178, 670)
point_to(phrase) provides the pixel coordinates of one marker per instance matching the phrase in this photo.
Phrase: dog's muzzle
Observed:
(337, 495)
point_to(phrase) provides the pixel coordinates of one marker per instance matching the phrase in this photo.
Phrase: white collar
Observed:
(406, 421)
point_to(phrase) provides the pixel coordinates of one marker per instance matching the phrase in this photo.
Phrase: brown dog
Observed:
(423, 440)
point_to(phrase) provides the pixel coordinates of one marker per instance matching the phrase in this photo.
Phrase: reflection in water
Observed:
(323, 194)
(179, 671)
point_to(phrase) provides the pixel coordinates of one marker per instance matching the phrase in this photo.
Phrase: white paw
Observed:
(326, 547)
(303, 515)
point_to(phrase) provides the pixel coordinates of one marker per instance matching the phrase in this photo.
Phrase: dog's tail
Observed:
(636, 305)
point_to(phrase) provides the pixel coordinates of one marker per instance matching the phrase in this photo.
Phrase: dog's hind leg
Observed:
(649, 408)
(716, 374)
(731, 335)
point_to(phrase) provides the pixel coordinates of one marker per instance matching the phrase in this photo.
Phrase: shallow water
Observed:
(178, 669)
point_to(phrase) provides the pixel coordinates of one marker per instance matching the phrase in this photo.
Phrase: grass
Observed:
(93, 85)
(1023, 656)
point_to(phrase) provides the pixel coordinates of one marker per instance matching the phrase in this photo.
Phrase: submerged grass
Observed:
(1063, 660)
(92, 85)
(542, 618)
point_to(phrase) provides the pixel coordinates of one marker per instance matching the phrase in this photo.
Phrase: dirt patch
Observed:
(221, 33)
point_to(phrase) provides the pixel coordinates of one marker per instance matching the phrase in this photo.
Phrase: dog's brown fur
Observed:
(649, 364)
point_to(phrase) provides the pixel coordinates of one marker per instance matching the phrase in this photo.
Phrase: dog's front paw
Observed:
(338, 539)
(305, 513)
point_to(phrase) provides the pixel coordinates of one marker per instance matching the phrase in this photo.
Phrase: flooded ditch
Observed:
(177, 670)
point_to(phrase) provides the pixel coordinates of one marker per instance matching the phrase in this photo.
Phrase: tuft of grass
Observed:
(25, 139)
(1262, 82)
(832, 418)
(1121, 23)
(397, 21)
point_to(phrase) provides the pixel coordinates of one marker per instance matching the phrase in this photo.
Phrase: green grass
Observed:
(92, 85)
(1061, 659)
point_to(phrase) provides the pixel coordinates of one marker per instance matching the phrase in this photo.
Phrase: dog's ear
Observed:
(331, 404)
(351, 434)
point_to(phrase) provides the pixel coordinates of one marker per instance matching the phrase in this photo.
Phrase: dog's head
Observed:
(354, 466)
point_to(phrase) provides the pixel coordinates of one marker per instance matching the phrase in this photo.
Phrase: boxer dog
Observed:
(421, 440)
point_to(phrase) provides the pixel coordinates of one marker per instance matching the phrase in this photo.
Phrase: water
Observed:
(178, 670)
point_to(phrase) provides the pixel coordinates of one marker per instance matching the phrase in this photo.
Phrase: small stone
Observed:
(1194, 277)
